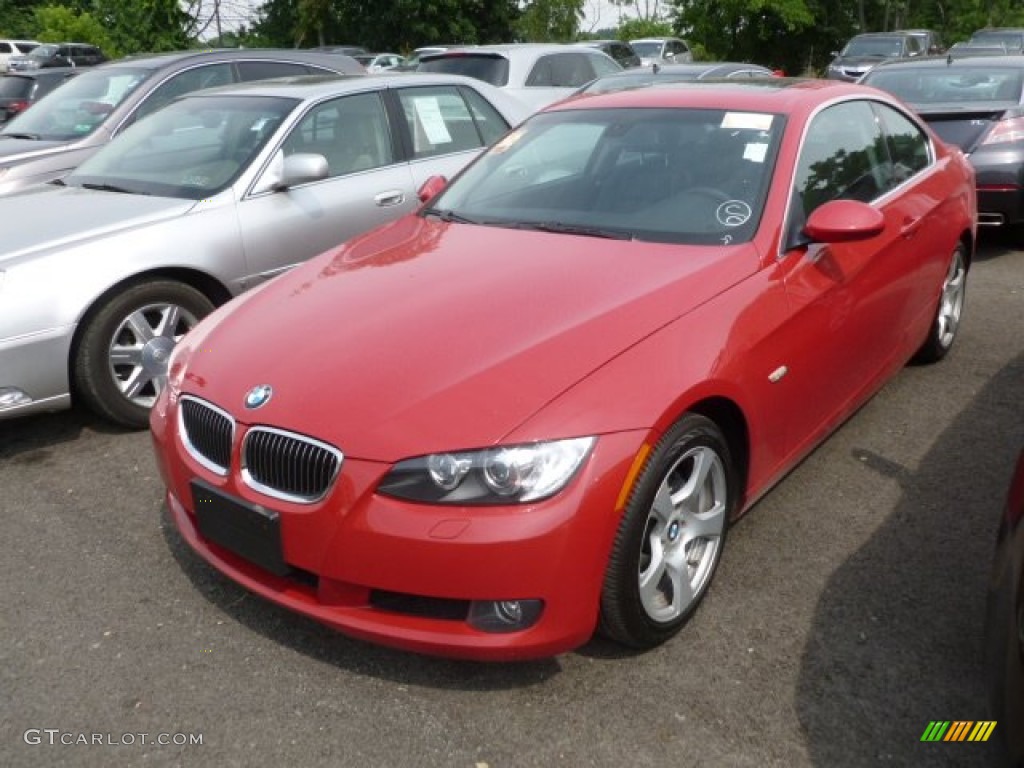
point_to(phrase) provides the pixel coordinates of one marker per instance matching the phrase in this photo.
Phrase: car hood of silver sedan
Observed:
(16, 148)
(48, 217)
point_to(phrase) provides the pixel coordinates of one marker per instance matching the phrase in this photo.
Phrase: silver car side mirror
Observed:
(292, 170)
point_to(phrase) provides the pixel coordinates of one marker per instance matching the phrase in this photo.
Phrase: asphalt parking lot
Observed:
(847, 613)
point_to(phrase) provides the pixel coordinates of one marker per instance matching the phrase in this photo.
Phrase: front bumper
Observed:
(353, 546)
(37, 366)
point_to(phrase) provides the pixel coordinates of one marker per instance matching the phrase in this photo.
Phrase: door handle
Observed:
(910, 226)
(390, 198)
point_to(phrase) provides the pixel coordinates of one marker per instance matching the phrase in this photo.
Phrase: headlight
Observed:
(512, 474)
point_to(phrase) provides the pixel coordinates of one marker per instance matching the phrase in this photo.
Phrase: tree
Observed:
(57, 24)
(547, 21)
(144, 25)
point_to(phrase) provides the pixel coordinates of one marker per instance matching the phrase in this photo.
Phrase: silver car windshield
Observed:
(79, 106)
(950, 84)
(192, 149)
(697, 176)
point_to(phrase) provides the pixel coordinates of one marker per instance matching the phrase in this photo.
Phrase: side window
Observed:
(602, 66)
(489, 122)
(351, 132)
(185, 82)
(263, 70)
(843, 158)
(907, 144)
(439, 121)
(5, 47)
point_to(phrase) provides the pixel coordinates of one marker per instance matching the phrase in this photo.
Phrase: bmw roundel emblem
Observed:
(258, 396)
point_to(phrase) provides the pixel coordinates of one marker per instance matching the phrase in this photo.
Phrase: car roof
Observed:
(314, 86)
(771, 95)
(949, 60)
(172, 59)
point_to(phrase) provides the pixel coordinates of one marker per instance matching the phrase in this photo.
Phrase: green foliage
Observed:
(550, 21)
(58, 24)
(631, 29)
(17, 19)
(141, 26)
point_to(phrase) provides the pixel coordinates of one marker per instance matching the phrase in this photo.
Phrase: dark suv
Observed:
(72, 122)
(57, 55)
(865, 51)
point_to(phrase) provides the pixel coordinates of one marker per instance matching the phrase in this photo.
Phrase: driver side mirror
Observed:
(844, 221)
(431, 188)
(292, 170)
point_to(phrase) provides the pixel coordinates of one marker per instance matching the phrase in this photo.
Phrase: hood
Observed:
(11, 149)
(425, 336)
(860, 62)
(47, 217)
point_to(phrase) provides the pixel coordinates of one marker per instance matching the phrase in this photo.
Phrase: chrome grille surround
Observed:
(289, 466)
(207, 432)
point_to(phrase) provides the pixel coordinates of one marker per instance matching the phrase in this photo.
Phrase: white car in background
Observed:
(537, 73)
(379, 62)
(10, 48)
(662, 50)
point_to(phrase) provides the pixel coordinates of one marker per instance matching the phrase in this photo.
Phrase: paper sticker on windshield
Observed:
(508, 142)
(755, 152)
(751, 121)
(429, 117)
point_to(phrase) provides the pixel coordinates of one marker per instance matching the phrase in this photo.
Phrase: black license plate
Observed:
(248, 530)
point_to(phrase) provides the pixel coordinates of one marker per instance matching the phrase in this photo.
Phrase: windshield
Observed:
(42, 52)
(490, 69)
(649, 50)
(12, 86)
(1009, 40)
(80, 106)
(661, 175)
(949, 84)
(873, 46)
(193, 148)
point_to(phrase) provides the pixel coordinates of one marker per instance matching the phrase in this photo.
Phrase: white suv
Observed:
(10, 48)
(662, 50)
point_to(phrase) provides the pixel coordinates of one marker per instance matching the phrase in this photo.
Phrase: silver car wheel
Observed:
(683, 534)
(141, 347)
(952, 302)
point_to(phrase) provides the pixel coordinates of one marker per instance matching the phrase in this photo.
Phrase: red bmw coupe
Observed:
(530, 411)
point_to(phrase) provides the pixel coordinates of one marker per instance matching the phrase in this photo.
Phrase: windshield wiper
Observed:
(571, 229)
(29, 136)
(450, 215)
(58, 182)
(111, 188)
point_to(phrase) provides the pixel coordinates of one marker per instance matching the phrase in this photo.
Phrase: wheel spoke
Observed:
(135, 382)
(650, 579)
(124, 354)
(703, 460)
(705, 525)
(170, 316)
(663, 508)
(139, 325)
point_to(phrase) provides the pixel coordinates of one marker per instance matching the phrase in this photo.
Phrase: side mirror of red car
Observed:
(842, 221)
(432, 187)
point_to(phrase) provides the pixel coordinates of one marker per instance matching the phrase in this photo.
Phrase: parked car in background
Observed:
(413, 60)
(619, 50)
(10, 48)
(344, 50)
(379, 62)
(68, 125)
(975, 104)
(868, 50)
(964, 49)
(346, 444)
(1010, 38)
(931, 41)
(1005, 626)
(207, 197)
(676, 73)
(536, 73)
(662, 50)
(57, 55)
(19, 90)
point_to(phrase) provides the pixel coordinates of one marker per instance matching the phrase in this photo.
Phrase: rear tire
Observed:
(671, 535)
(947, 316)
(121, 362)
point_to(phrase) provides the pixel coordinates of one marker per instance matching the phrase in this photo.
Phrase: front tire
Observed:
(121, 363)
(947, 316)
(671, 535)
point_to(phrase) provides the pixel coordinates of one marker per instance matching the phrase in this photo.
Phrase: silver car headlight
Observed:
(510, 474)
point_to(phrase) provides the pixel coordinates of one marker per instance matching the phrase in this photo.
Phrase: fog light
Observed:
(12, 396)
(504, 615)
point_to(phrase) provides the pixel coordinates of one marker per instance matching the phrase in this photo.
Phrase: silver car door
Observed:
(365, 187)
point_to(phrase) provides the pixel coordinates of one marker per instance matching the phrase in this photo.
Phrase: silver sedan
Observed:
(102, 273)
